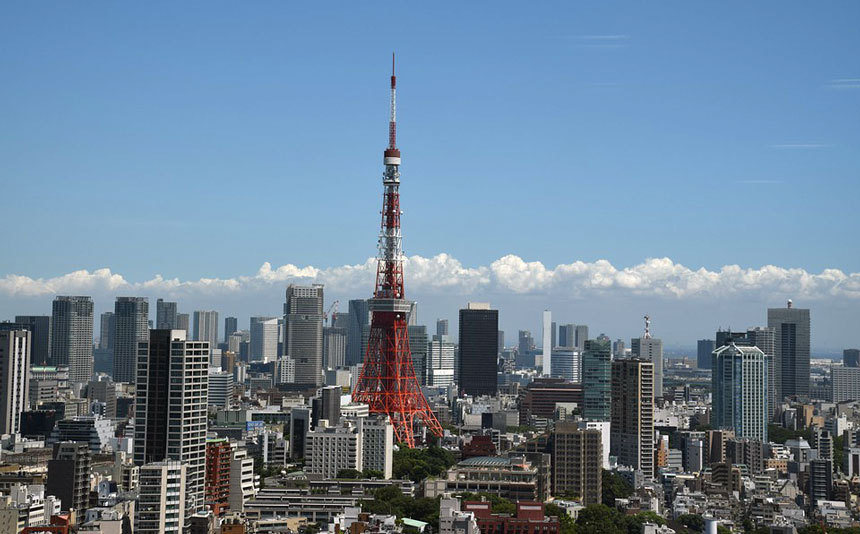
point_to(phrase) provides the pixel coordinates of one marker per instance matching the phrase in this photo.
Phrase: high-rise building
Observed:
(206, 327)
(419, 346)
(162, 498)
(763, 338)
(546, 342)
(243, 488)
(526, 343)
(850, 357)
(441, 327)
(740, 390)
(69, 475)
(231, 325)
(440, 370)
(479, 329)
(334, 346)
(567, 364)
(567, 336)
(219, 454)
(107, 326)
(501, 343)
(220, 388)
(618, 348)
(845, 383)
(72, 336)
(264, 339)
(183, 322)
(581, 336)
(651, 349)
(356, 343)
(791, 349)
(577, 461)
(14, 378)
(303, 332)
(327, 406)
(596, 380)
(820, 480)
(131, 317)
(632, 414)
(705, 349)
(170, 406)
(40, 337)
(165, 315)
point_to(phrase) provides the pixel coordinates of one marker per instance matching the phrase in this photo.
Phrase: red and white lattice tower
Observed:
(387, 383)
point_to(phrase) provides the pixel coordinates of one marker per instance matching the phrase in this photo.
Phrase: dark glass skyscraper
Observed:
(479, 339)
(850, 357)
(597, 380)
(791, 349)
(40, 336)
(131, 316)
(703, 355)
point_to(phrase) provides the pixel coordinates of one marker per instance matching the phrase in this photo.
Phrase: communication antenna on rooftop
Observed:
(647, 327)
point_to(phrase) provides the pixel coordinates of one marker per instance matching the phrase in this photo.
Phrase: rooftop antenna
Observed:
(647, 327)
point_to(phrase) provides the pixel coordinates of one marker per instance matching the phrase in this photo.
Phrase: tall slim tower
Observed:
(387, 382)
(72, 341)
(131, 316)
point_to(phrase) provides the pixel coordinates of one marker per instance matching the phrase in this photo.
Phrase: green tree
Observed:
(614, 487)
(372, 473)
(348, 474)
(418, 464)
(566, 523)
(692, 521)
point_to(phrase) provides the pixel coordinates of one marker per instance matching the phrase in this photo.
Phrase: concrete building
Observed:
(739, 383)
(597, 380)
(791, 349)
(440, 371)
(442, 327)
(581, 336)
(284, 371)
(705, 348)
(632, 414)
(513, 478)
(183, 322)
(162, 498)
(334, 346)
(95, 431)
(479, 350)
(40, 337)
(131, 326)
(303, 332)
(264, 339)
(567, 336)
(577, 462)
(330, 449)
(651, 349)
(103, 391)
(170, 407)
(14, 378)
(377, 446)
(165, 315)
(547, 332)
(206, 327)
(69, 475)
(454, 521)
(845, 382)
(72, 336)
(243, 484)
(220, 388)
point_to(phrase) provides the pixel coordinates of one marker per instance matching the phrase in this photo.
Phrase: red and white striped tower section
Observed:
(387, 383)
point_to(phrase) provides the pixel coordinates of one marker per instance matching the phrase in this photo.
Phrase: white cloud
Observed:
(443, 274)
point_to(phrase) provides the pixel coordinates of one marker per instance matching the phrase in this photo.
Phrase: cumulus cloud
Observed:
(443, 274)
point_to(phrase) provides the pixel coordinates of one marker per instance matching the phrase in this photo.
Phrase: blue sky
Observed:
(202, 139)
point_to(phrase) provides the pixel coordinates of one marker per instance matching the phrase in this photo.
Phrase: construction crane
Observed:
(329, 313)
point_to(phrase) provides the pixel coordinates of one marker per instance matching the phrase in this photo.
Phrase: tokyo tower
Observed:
(387, 383)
